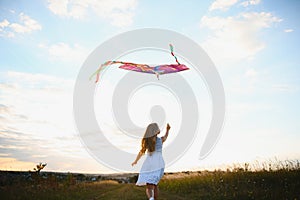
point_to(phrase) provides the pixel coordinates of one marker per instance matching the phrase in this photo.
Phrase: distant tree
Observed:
(39, 167)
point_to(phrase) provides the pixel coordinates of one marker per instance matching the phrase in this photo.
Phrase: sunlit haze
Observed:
(254, 45)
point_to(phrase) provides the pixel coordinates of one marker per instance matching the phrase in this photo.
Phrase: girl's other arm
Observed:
(137, 158)
(164, 138)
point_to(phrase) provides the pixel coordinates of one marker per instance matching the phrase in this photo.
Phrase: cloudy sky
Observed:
(254, 44)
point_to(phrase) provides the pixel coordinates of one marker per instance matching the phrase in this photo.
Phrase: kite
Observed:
(144, 68)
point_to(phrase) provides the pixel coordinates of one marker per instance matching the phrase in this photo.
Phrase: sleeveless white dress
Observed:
(153, 167)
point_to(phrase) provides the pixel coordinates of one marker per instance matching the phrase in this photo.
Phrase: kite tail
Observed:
(97, 72)
(172, 49)
(107, 63)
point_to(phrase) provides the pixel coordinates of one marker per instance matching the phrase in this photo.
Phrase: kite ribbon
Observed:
(107, 63)
(97, 73)
(172, 52)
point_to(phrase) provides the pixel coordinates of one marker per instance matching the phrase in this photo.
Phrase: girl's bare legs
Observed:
(155, 192)
(150, 190)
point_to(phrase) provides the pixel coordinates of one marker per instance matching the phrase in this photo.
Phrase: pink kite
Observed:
(144, 68)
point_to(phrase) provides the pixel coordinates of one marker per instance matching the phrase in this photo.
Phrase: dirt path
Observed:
(132, 192)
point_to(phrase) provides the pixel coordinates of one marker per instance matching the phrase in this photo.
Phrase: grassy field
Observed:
(239, 184)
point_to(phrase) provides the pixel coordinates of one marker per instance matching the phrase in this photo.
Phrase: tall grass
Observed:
(273, 180)
(236, 185)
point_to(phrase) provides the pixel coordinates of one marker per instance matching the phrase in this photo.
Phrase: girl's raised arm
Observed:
(164, 138)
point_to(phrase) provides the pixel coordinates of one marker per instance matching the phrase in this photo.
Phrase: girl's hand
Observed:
(134, 163)
(168, 126)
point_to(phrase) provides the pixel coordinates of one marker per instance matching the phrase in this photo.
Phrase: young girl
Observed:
(154, 165)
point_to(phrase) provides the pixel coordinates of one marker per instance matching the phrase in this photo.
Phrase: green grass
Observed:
(239, 184)
(236, 185)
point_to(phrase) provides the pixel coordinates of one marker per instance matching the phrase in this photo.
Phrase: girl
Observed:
(154, 165)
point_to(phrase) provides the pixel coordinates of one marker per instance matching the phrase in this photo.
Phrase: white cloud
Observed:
(65, 52)
(28, 24)
(288, 30)
(250, 2)
(21, 78)
(118, 12)
(4, 23)
(236, 38)
(4, 109)
(251, 73)
(37, 120)
(29, 95)
(222, 4)
(252, 78)
(247, 82)
(284, 87)
(237, 111)
(66, 8)
(25, 25)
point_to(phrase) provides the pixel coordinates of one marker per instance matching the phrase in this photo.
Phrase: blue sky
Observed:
(253, 43)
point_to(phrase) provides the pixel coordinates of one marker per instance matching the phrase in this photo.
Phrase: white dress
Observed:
(153, 167)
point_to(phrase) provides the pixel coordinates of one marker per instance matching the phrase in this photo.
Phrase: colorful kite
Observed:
(144, 68)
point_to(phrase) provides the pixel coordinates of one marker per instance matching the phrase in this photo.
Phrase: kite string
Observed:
(172, 52)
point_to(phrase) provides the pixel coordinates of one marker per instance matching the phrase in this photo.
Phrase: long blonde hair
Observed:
(148, 141)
